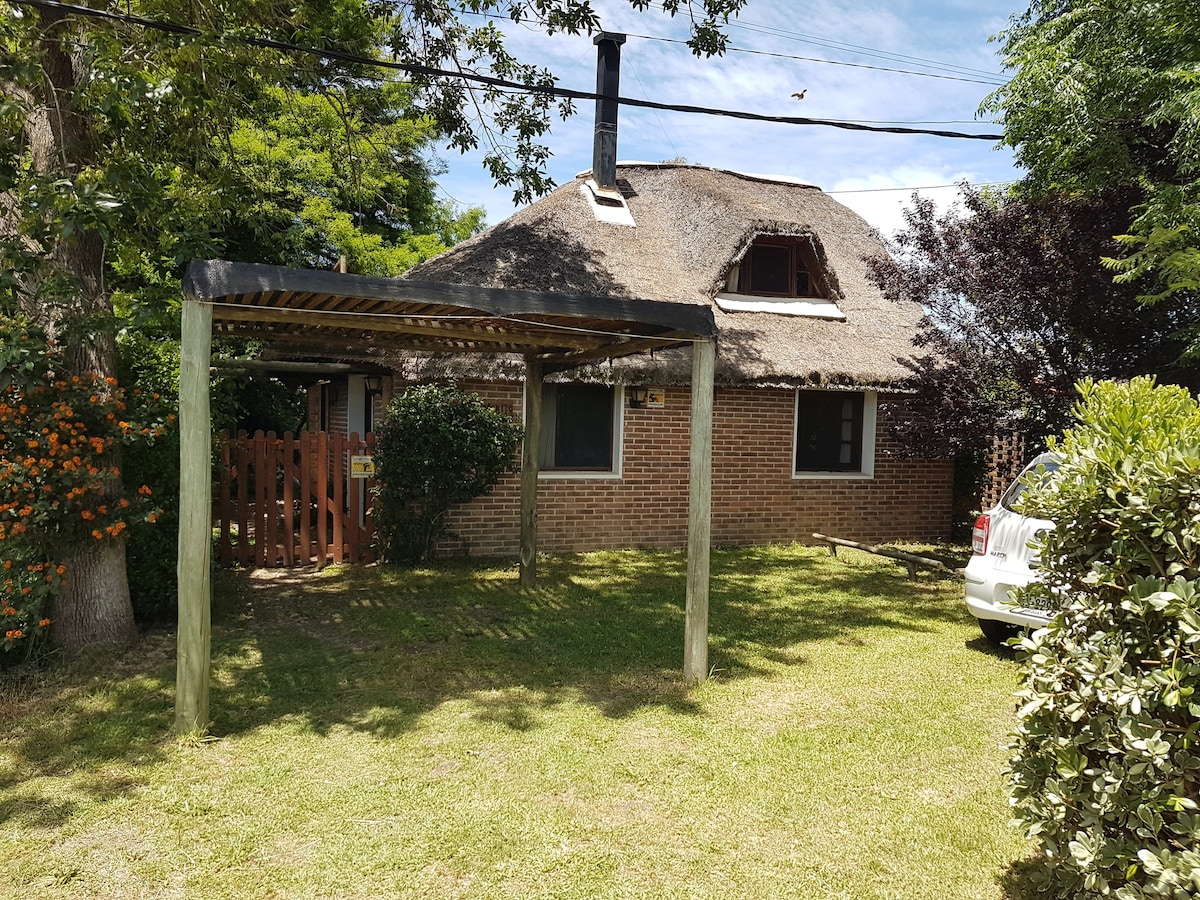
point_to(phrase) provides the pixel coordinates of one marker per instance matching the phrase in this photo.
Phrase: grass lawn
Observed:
(444, 734)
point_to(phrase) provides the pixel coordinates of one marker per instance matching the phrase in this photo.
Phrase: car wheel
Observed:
(996, 632)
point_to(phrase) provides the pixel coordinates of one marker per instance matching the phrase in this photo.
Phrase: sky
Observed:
(838, 40)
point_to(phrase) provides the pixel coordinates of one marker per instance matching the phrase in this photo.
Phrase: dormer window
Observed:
(780, 274)
(780, 268)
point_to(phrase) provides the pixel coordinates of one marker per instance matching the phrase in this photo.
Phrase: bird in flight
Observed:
(800, 96)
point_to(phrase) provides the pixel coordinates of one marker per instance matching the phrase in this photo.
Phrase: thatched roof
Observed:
(692, 225)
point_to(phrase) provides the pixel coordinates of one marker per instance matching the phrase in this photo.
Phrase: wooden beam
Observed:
(529, 469)
(195, 521)
(217, 279)
(572, 358)
(446, 329)
(695, 629)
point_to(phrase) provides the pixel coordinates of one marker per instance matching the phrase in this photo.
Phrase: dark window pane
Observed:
(771, 270)
(829, 431)
(803, 288)
(579, 427)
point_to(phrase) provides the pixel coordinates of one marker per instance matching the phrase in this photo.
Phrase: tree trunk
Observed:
(93, 607)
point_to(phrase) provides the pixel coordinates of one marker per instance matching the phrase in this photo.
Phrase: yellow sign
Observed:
(362, 467)
(656, 398)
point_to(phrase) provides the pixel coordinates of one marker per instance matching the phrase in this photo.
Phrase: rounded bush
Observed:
(1105, 771)
(438, 447)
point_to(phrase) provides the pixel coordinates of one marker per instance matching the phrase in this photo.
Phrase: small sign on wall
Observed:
(656, 398)
(362, 467)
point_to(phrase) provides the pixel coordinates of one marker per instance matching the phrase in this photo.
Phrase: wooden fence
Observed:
(294, 501)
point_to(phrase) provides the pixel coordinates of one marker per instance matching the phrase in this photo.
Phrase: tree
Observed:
(1106, 93)
(1105, 774)
(438, 447)
(1018, 310)
(129, 146)
(115, 174)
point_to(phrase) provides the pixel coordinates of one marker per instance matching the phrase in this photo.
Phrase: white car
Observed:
(1003, 560)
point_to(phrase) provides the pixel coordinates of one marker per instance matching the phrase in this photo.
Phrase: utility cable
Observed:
(830, 62)
(489, 81)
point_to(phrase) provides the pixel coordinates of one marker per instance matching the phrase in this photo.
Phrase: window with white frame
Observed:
(580, 429)
(782, 275)
(835, 434)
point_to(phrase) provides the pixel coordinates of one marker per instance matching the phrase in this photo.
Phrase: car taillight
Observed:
(979, 534)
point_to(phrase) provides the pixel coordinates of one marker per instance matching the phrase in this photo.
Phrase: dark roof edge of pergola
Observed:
(214, 279)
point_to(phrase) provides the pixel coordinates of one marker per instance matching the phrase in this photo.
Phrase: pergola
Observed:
(337, 315)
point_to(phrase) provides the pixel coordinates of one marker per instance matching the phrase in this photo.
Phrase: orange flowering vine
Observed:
(59, 483)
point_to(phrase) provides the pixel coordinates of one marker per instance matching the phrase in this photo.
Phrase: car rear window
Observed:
(1018, 487)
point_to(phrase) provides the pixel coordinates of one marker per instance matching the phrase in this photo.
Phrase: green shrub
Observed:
(438, 447)
(1105, 774)
(152, 366)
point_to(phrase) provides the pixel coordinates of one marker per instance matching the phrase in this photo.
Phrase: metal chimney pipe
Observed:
(608, 79)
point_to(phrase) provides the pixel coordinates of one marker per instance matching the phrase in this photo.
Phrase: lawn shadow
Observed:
(376, 650)
(84, 723)
(1021, 879)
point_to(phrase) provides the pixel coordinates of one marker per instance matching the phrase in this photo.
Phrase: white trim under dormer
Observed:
(813, 307)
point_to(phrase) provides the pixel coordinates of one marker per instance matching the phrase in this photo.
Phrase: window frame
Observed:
(618, 443)
(802, 257)
(870, 417)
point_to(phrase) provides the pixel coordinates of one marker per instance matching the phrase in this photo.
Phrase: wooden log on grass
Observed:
(911, 559)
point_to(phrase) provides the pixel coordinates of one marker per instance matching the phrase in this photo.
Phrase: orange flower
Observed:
(98, 534)
(44, 623)
(145, 491)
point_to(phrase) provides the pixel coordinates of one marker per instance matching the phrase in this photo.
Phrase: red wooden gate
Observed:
(294, 501)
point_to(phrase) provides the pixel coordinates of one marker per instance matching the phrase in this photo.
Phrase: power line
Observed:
(830, 62)
(989, 78)
(923, 187)
(489, 81)
(833, 44)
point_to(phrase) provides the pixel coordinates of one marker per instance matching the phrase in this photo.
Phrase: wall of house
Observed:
(755, 498)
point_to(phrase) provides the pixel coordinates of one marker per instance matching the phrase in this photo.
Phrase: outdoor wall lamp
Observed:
(637, 396)
(373, 385)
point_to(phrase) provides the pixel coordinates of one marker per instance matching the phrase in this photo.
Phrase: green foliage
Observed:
(153, 368)
(60, 485)
(1106, 764)
(438, 447)
(1017, 311)
(1106, 94)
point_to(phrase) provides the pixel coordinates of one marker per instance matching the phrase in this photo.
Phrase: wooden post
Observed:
(195, 521)
(695, 629)
(529, 469)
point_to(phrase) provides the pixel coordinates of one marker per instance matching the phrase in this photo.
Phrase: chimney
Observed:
(608, 79)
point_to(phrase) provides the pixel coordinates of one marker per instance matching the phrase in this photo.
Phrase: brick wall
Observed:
(755, 498)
